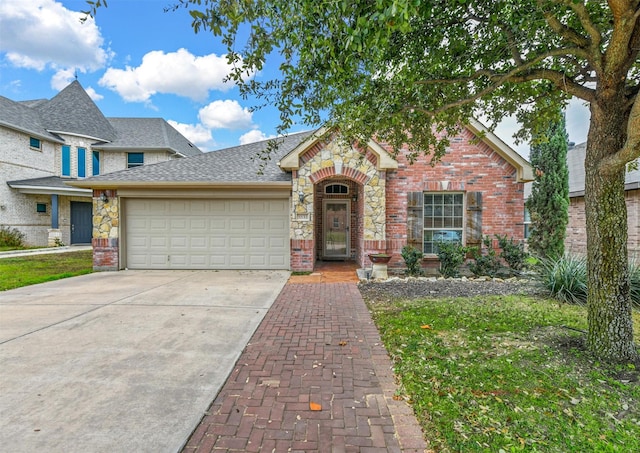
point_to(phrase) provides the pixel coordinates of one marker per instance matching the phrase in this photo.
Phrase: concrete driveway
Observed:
(122, 361)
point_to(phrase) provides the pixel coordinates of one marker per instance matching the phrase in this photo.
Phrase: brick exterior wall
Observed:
(466, 167)
(18, 161)
(576, 237)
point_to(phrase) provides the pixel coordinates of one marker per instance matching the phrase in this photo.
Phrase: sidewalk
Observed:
(44, 251)
(314, 377)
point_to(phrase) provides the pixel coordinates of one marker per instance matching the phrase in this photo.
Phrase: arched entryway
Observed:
(338, 219)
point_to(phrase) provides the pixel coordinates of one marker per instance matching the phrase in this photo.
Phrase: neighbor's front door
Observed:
(81, 219)
(336, 229)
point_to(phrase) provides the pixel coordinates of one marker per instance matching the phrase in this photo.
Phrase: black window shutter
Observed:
(415, 220)
(474, 219)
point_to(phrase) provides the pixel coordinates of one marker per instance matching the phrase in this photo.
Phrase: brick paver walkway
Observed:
(314, 377)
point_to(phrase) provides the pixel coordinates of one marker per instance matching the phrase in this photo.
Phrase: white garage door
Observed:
(207, 234)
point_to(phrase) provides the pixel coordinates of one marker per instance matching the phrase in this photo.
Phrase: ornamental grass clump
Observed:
(565, 279)
(11, 237)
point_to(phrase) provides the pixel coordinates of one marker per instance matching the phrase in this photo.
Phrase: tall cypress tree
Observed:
(548, 204)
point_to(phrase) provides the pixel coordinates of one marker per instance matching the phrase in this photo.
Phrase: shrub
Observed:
(11, 237)
(451, 256)
(484, 263)
(512, 253)
(565, 279)
(413, 259)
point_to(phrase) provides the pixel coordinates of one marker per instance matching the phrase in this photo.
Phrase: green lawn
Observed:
(505, 374)
(29, 270)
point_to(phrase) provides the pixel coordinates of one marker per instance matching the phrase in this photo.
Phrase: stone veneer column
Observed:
(325, 161)
(105, 237)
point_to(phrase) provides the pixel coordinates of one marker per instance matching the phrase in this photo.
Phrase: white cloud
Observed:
(198, 134)
(253, 136)
(180, 73)
(226, 114)
(37, 34)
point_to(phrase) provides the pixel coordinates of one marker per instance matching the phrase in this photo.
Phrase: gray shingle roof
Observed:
(232, 165)
(146, 134)
(46, 181)
(19, 116)
(73, 111)
(575, 164)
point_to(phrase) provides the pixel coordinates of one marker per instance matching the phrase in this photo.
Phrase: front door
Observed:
(81, 219)
(335, 239)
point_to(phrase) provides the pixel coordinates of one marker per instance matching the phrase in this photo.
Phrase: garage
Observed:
(206, 233)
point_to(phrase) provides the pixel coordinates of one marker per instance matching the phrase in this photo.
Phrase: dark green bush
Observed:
(484, 263)
(512, 253)
(413, 259)
(451, 256)
(11, 237)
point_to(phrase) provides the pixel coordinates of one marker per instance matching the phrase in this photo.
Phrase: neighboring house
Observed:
(576, 238)
(46, 143)
(316, 198)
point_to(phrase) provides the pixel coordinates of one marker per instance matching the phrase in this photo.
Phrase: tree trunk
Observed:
(610, 333)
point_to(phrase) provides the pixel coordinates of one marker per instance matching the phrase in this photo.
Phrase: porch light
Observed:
(104, 197)
(301, 196)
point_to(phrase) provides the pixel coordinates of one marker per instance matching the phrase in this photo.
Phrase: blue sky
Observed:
(135, 60)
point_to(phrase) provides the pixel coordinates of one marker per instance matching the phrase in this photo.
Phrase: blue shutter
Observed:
(82, 162)
(66, 161)
(96, 163)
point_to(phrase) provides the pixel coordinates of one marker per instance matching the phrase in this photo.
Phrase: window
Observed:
(41, 208)
(443, 219)
(96, 163)
(336, 189)
(35, 143)
(135, 160)
(527, 223)
(82, 162)
(66, 161)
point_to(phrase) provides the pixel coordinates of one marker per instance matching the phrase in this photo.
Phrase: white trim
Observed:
(292, 160)
(525, 171)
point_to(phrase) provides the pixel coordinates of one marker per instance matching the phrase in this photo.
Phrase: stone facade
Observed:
(106, 231)
(331, 162)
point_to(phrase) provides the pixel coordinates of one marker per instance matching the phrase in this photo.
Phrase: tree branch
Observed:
(521, 73)
(566, 32)
(631, 148)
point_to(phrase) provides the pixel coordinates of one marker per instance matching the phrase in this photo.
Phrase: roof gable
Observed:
(292, 160)
(72, 111)
(525, 172)
(148, 134)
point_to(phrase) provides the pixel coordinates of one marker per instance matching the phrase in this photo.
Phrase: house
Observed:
(46, 143)
(316, 198)
(576, 237)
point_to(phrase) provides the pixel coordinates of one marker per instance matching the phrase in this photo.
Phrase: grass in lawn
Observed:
(29, 270)
(504, 374)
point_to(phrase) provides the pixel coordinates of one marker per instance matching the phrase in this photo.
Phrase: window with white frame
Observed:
(443, 217)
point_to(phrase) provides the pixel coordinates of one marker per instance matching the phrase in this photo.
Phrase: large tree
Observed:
(411, 71)
(549, 200)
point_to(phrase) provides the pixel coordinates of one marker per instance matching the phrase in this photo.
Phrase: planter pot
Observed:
(379, 258)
